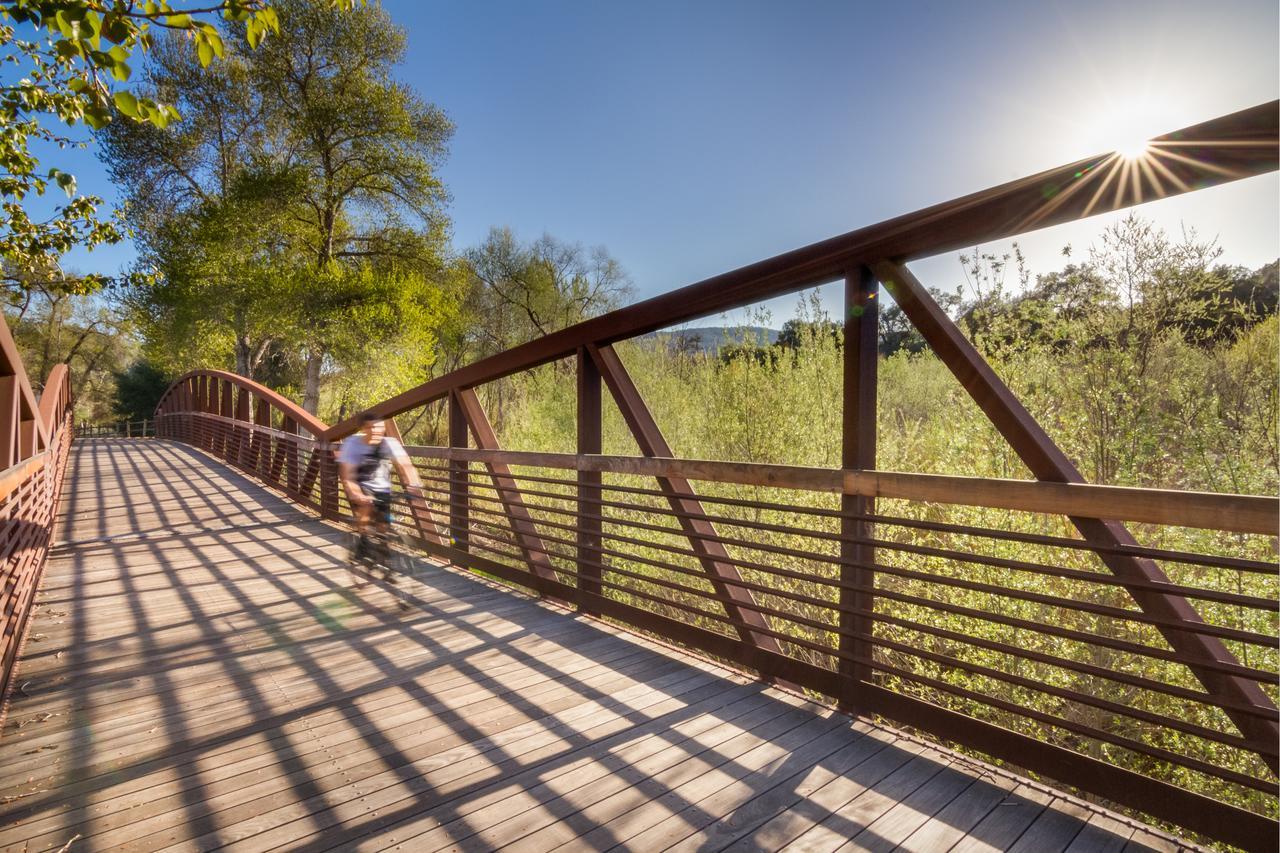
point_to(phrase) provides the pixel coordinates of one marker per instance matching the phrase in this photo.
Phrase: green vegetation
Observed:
(68, 72)
(1164, 377)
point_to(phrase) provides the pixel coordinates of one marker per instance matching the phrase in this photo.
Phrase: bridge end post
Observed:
(459, 516)
(858, 451)
(590, 528)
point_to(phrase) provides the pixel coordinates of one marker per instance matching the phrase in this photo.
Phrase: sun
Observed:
(1133, 147)
(1126, 125)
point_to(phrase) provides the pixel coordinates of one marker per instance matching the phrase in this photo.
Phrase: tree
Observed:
(138, 390)
(524, 291)
(69, 52)
(363, 151)
(272, 218)
(225, 283)
(53, 321)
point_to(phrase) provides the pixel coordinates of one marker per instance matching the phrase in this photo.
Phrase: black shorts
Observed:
(381, 504)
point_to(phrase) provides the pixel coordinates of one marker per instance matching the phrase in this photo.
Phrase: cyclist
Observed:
(365, 460)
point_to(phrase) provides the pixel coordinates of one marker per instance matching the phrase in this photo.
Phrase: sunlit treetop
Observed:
(64, 63)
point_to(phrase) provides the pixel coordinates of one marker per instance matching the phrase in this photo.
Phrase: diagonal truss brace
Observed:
(531, 544)
(424, 521)
(725, 579)
(1047, 462)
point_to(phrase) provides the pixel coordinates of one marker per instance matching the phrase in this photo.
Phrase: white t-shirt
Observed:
(372, 461)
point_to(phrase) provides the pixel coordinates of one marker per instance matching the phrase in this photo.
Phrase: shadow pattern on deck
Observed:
(200, 675)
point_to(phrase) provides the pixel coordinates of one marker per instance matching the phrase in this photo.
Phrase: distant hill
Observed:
(712, 338)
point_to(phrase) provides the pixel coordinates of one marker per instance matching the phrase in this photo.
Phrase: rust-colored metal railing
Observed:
(1122, 641)
(35, 438)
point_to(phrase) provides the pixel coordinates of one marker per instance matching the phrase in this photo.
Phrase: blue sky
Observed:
(691, 138)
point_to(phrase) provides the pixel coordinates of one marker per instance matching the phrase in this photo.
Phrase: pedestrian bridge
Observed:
(639, 652)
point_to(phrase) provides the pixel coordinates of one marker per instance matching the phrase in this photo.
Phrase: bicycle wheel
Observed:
(357, 552)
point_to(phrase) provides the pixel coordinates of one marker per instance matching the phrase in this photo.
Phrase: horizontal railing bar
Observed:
(1204, 628)
(1164, 554)
(1210, 510)
(13, 477)
(1253, 602)
(250, 427)
(1189, 762)
(1066, 633)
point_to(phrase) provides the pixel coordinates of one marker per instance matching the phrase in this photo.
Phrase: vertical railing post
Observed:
(260, 444)
(209, 405)
(590, 528)
(8, 420)
(240, 452)
(290, 447)
(226, 409)
(328, 478)
(459, 516)
(858, 451)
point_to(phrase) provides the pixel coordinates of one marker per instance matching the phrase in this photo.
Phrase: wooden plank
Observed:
(961, 815)
(912, 812)
(1102, 834)
(1006, 822)
(870, 804)
(338, 816)
(553, 808)
(335, 767)
(742, 823)
(748, 779)
(1055, 828)
(325, 714)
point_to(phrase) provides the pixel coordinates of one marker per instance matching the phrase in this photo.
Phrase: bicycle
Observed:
(373, 551)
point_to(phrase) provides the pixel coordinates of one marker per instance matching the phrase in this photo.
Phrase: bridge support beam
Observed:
(1047, 462)
(424, 521)
(737, 600)
(858, 451)
(590, 528)
(531, 545)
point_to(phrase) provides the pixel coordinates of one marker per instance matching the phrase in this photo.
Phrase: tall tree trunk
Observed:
(243, 367)
(311, 392)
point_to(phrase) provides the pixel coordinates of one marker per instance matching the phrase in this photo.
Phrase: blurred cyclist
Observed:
(365, 460)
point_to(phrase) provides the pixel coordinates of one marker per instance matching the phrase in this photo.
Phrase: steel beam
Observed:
(723, 575)
(1047, 462)
(531, 544)
(858, 451)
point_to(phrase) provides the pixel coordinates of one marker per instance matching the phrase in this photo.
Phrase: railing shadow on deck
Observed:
(256, 605)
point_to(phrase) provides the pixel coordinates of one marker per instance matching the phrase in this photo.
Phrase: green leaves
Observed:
(126, 103)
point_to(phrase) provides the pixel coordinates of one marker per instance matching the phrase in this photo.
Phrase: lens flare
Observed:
(1134, 148)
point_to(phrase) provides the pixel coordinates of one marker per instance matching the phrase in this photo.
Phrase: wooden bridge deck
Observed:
(199, 675)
